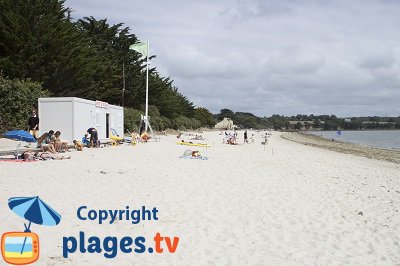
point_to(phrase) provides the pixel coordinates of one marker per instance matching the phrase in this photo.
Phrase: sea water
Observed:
(386, 139)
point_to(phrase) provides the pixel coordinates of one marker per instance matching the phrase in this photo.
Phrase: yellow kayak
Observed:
(193, 144)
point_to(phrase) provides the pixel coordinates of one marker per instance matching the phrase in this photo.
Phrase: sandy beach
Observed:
(282, 204)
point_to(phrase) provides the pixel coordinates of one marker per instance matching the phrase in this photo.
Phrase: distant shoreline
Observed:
(344, 147)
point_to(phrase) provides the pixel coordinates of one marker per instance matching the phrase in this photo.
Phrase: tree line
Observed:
(41, 45)
(300, 122)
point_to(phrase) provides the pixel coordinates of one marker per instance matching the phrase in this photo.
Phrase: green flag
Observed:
(140, 47)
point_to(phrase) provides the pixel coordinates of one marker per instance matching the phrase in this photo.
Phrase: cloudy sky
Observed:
(270, 57)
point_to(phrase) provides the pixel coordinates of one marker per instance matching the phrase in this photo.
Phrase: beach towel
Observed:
(11, 160)
(194, 157)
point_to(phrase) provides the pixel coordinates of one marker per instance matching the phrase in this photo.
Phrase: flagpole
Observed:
(147, 87)
(123, 90)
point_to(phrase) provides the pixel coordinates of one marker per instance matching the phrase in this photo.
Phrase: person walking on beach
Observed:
(33, 124)
(245, 137)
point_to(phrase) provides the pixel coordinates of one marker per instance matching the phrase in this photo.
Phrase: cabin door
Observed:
(108, 126)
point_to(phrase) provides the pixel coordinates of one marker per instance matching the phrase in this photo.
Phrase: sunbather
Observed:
(48, 156)
(28, 155)
(59, 145)
(46, 142)
(193, 155)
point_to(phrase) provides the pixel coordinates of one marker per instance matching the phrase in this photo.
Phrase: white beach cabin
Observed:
(74, 116)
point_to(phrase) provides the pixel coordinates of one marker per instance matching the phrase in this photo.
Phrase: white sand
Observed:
(288, 205)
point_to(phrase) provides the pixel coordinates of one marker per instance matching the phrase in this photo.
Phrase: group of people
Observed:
(136, 137)
(198, 137)
(230, 138)
(51, 142)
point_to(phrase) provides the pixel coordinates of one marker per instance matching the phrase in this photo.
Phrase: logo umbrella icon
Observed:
(35, 211)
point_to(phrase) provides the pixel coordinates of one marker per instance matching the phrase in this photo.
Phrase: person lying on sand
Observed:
(48, 156)
(28, 155)
(195, 154)
(189, 154)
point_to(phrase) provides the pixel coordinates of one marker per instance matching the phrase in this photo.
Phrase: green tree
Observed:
(204, 116)
(18, 98)
(39, 42)
(317, 123)
(131, 119)
(298, 126)
(83, 59)
(226, 113)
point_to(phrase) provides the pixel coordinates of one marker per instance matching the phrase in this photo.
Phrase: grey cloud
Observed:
(242, 11)
(299, 62)
(377, 57)
(287, 57)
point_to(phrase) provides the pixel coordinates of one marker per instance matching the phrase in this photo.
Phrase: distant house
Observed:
(225, 124)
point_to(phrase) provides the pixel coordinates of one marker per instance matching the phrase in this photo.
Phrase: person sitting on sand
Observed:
(46, 142)
(41, 139)
(85, 140)
(145, 137)
(59, 145)
(77, 145)
(231, 139)
(135, 138)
